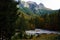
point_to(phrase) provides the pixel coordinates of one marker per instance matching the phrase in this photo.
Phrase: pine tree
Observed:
(8, 16)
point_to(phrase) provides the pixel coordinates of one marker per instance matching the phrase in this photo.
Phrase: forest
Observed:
(13, 19)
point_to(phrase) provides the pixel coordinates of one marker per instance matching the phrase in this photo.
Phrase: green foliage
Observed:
(8, 16)
(25, 19)
(27, 11)
(46, 21)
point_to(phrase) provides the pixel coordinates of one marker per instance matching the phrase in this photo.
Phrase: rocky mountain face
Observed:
(33, 7)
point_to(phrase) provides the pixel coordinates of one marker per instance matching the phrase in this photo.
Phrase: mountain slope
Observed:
(33, 8)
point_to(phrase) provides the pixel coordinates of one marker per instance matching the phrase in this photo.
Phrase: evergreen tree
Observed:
(8, 16)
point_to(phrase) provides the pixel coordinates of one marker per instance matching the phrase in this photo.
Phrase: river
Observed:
(40, 31)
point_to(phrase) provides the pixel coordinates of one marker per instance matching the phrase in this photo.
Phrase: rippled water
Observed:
(40, 31)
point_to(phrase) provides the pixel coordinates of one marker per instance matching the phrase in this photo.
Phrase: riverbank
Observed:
(39, 37)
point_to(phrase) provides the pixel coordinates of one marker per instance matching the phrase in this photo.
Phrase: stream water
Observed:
(40, 31)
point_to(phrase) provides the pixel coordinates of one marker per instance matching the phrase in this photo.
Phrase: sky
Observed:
(52, 4)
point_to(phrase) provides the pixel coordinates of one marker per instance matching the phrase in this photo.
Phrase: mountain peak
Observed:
(41, 5)
(30, 1)
(33, 5)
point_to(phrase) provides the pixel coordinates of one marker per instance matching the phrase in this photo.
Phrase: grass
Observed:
(39, 37)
